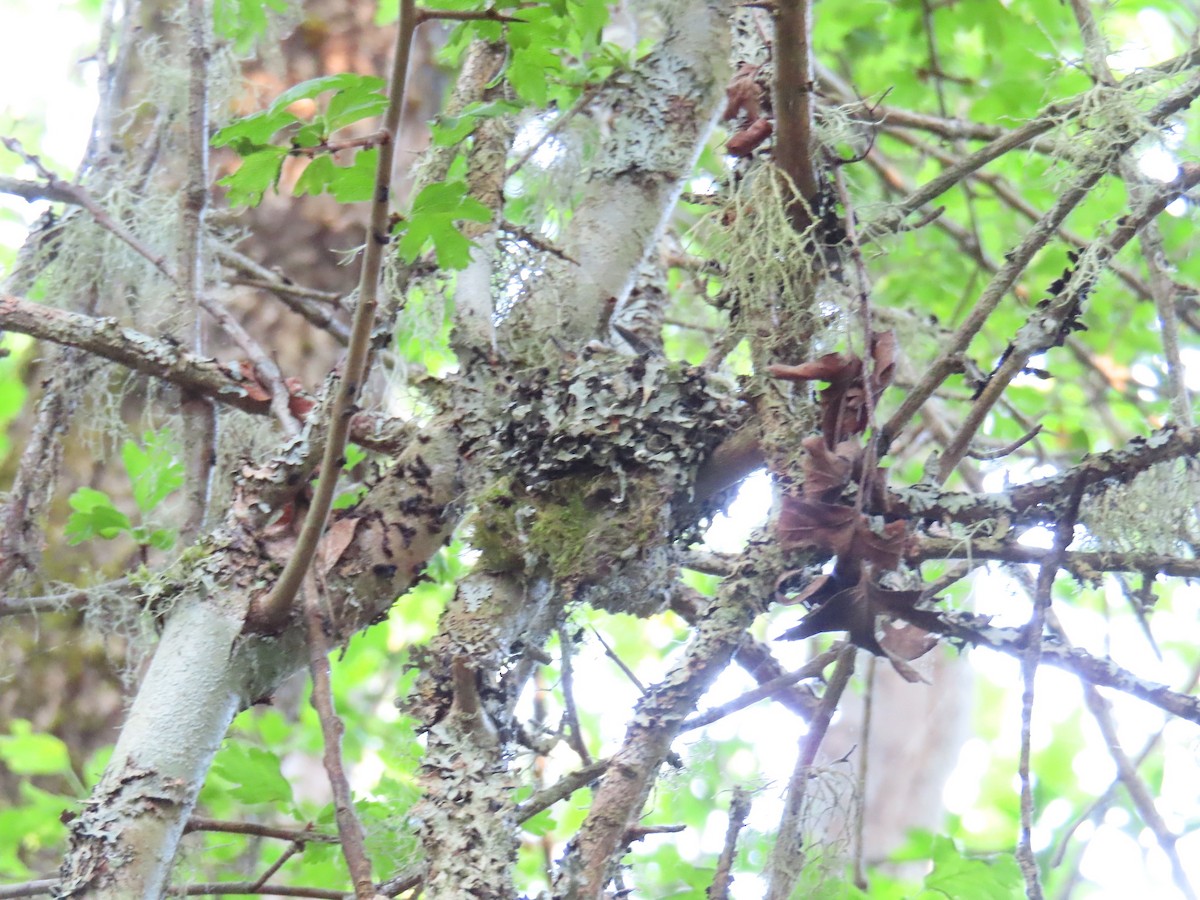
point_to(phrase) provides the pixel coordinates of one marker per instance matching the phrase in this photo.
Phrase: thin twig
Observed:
(290, 851)
(1078, 561)
(864, 755)
(1004, 451)
(257, 829)
(1039, 331)
(491, 14)
(1162, 289)
(294, 297)
(1009, 196)
(1102, 802)
(560, 790)
(1031, 659)
(276, 605)
(810, 669)
(223, 888)
(785, 863)
(1138, 792)
(349, 828)
(570, 713)
(739, 808)
(611, 654)
(264, 365)
(554, 128)
(374, 139)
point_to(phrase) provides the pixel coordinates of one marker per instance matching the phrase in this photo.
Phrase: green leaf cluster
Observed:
(354, 98)
(154, 473)
(432, 221)
(36, 818)
(243, 22)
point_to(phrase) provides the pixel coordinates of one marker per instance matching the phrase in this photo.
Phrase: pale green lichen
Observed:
(1156, 512)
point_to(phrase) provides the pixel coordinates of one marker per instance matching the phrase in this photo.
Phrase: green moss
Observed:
(582, 531)
(494, 531)
(576, 529)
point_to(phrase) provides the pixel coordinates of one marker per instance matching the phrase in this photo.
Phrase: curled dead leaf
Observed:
(844, 404)
(744, 94)
(811, 523)
(748, 139)
(856, 608)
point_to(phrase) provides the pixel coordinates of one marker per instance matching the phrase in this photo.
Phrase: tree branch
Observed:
(1045, 325)
(275, 607)
(793, 103)
(787, 856)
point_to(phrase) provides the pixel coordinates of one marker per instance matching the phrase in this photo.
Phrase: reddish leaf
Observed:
(907, 641)
(844, 402)
(832, 367)
(299, 402)
(744, 94)
(856, 609)
(745, 141)
(244, 370)
(884, 550)
(337, 538)
(810, 523)
(827, 472)
(883, 352)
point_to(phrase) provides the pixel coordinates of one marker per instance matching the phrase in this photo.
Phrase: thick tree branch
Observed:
(669, 105)
(106, 338)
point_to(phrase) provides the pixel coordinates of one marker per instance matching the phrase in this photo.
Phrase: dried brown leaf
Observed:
(883, 550)
(745, 141)
(744, 94)
(811, 523)
(827, 472)
(856, 609)
(338, 537)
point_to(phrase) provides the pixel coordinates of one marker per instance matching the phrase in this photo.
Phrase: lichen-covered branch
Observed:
(371, 554)
(108, 339)
(668, 106)
(660, 715)
(977, 631)
(1040, 501)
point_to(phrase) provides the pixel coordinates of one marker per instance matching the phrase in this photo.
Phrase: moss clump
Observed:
(577, 530)
(582, 530)
(494, 528)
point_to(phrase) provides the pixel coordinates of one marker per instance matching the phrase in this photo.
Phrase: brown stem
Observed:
(349, 828)
(788, 852)
(794, 86)
(276, 606)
